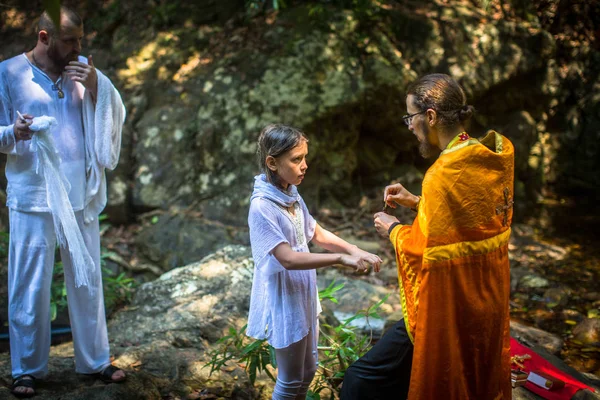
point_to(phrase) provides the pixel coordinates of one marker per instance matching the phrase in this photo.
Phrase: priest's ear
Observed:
(271, 163)
(432, 117)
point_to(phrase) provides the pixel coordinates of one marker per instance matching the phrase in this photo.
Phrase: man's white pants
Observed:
(30, 264)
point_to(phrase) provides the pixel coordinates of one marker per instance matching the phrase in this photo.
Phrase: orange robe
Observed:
(454, 275)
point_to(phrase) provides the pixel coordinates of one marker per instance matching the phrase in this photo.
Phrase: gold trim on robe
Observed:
(453, 273)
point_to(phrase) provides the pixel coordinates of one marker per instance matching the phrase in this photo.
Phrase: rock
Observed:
(63, 383)
(366, 245)
(521, 129)
(176, 239)
(516, 274)
(201, 143)
(547, 320)
(533, 281)
(557, 297)
(588, 331)
(572, 316)
(189, 306)
(118, 206)
(162, 339)
(357, 295)
(592, 296)
(392, 319)
(552, 343)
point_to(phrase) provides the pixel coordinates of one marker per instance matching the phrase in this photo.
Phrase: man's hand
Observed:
(372, 259)
(21, 127)
(383, 222)
(84, 74)
(398, 195)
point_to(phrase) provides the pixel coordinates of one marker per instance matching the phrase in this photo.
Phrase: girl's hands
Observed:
(372, 259)
(361, 261)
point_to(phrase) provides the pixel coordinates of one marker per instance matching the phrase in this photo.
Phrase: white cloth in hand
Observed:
(67, 231)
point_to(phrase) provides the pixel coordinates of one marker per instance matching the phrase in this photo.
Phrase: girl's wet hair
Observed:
(443, 94)
(275, 140)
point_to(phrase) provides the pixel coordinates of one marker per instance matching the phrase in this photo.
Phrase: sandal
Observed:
(106, 375)
(26, 381)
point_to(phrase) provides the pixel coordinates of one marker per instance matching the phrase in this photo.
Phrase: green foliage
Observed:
(118, 288)
(259, 5)
(52, 7)
(329, 291)
(3, 246)
(58, 291)
(256, 355)
(485, 4)
(164, 13)
(342, 346)
(363, 9)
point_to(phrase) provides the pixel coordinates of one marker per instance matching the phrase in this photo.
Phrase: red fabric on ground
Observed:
(537, 362)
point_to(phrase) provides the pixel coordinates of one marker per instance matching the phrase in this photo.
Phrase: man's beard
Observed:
(426, 149)
(60, 62)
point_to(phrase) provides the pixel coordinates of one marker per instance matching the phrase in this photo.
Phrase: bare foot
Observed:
(22, 390)
(118, 376)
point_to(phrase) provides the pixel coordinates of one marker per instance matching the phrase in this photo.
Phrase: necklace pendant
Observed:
(60, 94)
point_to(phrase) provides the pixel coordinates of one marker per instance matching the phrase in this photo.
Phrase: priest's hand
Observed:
(21, 127)
(372, 259)
(383, 222)
(84, 74)
(398, 195)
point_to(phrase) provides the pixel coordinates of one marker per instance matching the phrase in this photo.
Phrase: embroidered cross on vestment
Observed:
(503, 208)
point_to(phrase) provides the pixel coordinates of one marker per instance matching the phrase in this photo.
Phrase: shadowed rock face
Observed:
(342, 83)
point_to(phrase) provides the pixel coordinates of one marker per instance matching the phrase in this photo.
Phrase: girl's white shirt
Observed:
(284, 304)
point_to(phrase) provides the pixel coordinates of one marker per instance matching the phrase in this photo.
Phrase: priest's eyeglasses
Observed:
(408, 118)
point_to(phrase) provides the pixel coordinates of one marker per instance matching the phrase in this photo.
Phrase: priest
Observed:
(453, 267)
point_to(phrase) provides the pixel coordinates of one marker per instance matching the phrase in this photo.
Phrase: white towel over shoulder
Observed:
(103, 125)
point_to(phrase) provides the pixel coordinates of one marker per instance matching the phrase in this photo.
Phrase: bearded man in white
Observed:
(60, 125)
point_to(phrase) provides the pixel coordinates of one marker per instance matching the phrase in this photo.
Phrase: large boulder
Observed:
(339, 79)
(189, 306)
(174, 239)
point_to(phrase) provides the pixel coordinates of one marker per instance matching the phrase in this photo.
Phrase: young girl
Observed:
(284, 303)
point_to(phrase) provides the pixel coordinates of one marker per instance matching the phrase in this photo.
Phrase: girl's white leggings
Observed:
(296, 365)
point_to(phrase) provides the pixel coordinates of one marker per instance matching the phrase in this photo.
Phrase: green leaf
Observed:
(53, 311)
(273, 356)
(270, 375)
(252, 369)
(52, 7)
(313, 396)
